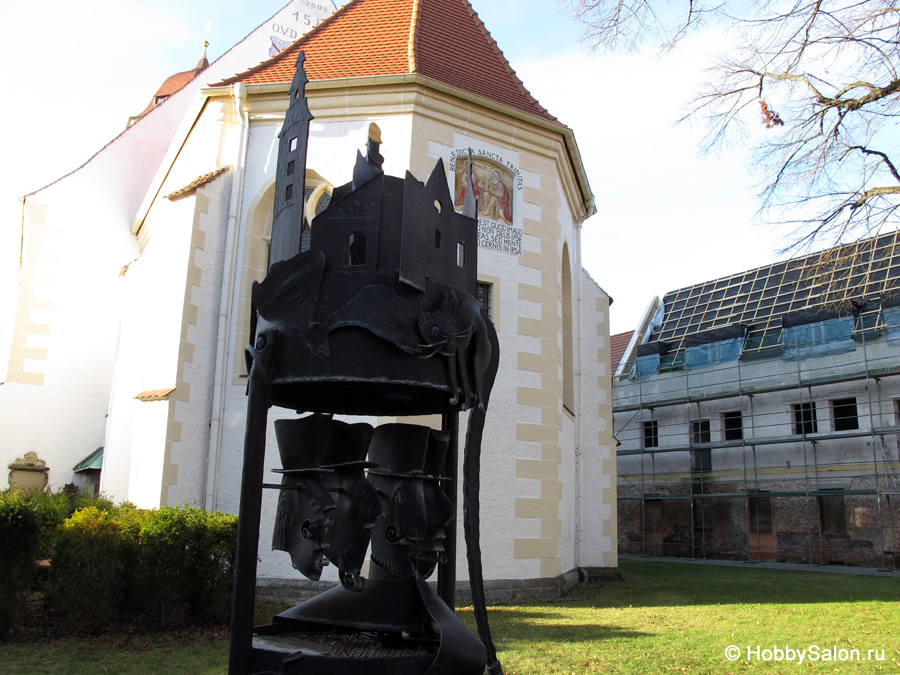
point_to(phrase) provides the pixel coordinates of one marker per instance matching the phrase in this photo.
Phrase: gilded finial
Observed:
(374, 133)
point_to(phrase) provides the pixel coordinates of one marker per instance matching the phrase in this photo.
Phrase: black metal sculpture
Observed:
(376, 317)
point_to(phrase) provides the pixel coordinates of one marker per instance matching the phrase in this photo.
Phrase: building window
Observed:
(845, 415)
(703, 514)
(701, 460)
(460, 254)
(700, 432)
(733, 425)
(485, 293)
(651, 433)
(760, 515)
(805, 418)
(355, 252)
(832, 515)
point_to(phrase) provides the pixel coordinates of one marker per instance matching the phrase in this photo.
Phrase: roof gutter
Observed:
(571, 146)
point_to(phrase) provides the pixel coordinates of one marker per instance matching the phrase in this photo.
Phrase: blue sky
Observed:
(666, 217)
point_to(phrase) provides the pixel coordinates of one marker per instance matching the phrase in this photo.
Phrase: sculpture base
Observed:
(336, 652)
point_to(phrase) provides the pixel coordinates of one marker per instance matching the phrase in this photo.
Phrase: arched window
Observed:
(257, 235)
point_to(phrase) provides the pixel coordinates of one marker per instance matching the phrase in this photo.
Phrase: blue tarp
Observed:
(892, 322)
(832, 336)
(647, 365)
(713, 353)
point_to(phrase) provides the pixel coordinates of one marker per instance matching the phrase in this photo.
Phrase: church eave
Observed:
(279, 90)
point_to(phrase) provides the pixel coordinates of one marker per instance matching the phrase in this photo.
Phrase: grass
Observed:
(663, 618)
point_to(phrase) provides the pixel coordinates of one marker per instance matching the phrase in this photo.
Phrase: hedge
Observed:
(20, 534)
(164, 567)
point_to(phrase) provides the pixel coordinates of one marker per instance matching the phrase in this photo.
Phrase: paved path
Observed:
(835, 569)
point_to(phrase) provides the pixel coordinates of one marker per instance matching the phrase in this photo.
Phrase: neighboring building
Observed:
(429, 74)
(758, 414)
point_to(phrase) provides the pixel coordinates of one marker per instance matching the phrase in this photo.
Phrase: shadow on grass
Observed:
(510, 625)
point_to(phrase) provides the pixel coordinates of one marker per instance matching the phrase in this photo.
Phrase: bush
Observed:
(86, 571)
(187, 565)
(52, 509)
(213, 568)
(170, 566)
(19, 538)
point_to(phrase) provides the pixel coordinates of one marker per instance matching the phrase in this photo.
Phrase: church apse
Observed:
(377, 316)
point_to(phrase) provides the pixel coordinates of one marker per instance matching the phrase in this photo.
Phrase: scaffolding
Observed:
(784, 450)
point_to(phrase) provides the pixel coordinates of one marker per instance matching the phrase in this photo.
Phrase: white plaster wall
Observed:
(147, 357)
(75, 248)
(599, 508)
(146, 444)
(191, 453)
(88, 215)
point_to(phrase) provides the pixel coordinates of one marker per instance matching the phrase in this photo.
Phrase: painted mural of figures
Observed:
(492, 187)
(460, 196)
(497, 199)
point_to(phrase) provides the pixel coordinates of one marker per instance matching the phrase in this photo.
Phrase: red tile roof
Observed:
(440, 39)
(617, 345)
(174, 83)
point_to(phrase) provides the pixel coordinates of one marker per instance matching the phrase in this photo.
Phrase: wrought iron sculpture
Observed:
(375, 316)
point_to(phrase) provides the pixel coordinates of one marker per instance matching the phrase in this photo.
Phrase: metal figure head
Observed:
(439, 512)
(400, 451)
(357, 504)
(303, 519)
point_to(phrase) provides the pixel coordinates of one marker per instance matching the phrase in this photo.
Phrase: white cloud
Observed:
(666, 216)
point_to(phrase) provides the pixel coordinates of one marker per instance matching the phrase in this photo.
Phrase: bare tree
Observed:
(819, 77)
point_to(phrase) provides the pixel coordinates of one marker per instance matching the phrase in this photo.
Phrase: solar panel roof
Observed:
(864, 274)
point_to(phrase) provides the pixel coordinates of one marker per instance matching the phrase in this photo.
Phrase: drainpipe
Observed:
(577, 383)
(220, 386)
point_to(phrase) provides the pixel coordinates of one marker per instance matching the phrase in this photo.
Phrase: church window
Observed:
(461, 254)
(485, 293)
(290, 167)
(293, 144)
(289, 192)
(316, 195)
(437, 238)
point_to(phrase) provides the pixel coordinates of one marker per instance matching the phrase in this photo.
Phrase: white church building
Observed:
(136, 270)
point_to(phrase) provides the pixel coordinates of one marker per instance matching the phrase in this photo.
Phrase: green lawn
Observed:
(664, 618)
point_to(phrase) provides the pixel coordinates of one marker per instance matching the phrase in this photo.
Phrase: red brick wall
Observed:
(798, 536)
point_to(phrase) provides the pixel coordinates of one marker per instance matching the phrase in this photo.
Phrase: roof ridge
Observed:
(431, 38)
(413, 36)
(291, 48)
(504, 60)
